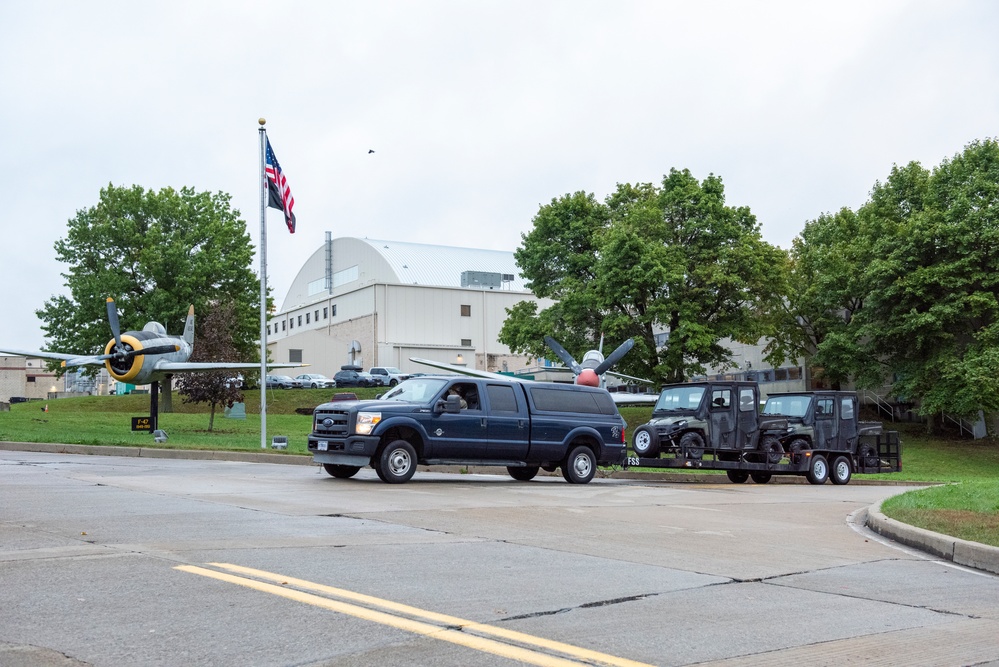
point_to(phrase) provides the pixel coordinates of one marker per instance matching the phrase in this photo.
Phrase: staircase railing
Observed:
(881, 404)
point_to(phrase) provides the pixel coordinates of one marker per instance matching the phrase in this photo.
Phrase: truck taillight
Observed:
(624, 436)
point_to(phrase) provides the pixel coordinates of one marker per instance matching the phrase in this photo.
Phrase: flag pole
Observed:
(263, 287)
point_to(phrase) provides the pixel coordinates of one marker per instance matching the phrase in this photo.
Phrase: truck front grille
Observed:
(331, 423)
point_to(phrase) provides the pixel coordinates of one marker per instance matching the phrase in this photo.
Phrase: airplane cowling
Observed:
(588, 378)
(126, 370)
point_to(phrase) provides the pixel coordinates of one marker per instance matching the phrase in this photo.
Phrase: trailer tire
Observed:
(818, 470)
(761, 477)
(771, 448)
(737, 476)
(580, 465)
(339, 471)
(645, 442)
(692, 444)
(397, 462)
(523, 474)
(842, 470)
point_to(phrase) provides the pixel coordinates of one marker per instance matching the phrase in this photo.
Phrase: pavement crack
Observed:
(585, 605)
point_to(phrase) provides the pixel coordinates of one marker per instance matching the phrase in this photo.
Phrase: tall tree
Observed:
(215, 343)
(156, 253)
(671, 259)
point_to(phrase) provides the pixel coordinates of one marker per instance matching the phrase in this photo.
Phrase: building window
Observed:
(466, 310)
(317, 315)
(306, 318)
(334, 310)
(282, 325)
(291, 323)
(268, 330)
(294, 356)
(466, 342)
(326, 313)
(299, 320)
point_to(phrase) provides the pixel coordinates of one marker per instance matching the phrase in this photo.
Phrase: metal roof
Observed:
(442, 266)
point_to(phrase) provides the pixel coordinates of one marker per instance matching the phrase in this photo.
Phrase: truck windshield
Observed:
(790, 406)
(416, 390)
(679, 398)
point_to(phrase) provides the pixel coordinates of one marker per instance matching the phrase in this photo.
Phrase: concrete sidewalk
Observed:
(961, 552)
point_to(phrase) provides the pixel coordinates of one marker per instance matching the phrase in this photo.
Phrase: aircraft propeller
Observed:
(120, 352)
(614, 357)
(563, 354)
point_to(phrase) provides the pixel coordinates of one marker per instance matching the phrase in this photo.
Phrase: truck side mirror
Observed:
(451, 405)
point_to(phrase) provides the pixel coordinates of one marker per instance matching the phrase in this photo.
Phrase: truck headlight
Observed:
(366, 422)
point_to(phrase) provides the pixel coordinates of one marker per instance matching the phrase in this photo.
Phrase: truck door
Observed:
(507, 425)
(847, 440)
(825, 422)
(722, 417)
(462, 435)
(749, 418)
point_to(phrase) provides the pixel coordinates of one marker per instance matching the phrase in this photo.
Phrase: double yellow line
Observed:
(505, 643)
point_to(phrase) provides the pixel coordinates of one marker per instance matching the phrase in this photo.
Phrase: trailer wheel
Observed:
(340, 472)
(580, 465)
(737, 476)
(645, 442)
(523, 474)
(397, 462)
(818, 471)
(761, 477)
(771, 447)
(693, 444)
(841, 470)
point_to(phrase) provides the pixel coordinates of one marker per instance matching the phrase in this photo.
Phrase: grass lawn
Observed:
(967, 508)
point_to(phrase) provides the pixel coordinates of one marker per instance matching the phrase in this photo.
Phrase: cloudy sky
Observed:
(478, 112)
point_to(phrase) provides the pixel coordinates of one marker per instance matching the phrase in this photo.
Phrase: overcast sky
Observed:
(478, 112)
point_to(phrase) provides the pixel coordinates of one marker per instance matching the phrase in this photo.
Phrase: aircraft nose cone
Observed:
(588, 378)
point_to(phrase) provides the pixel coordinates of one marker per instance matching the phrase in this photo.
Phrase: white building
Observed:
(378, 303)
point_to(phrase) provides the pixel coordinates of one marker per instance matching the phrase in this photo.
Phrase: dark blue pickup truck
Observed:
(435, 420)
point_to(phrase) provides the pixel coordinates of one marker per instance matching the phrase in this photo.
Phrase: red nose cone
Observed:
(588, 377)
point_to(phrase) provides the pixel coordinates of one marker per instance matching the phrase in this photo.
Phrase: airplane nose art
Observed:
(588, 378)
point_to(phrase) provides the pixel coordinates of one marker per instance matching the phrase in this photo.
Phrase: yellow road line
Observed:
(461, 637)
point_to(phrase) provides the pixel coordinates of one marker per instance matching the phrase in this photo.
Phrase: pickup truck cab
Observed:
(437, 420)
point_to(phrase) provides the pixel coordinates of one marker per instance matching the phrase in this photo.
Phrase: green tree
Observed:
(215, 344)
(156, 253)
(672, 259)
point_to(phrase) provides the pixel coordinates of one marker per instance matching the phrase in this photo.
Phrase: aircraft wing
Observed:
(194, 367)
(629, 377)
(464, 370)
(59, 356)
(623, 398)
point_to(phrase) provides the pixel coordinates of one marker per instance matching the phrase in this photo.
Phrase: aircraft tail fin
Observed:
(189, 327)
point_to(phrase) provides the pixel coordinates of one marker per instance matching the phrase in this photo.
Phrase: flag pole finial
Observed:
(262, 121)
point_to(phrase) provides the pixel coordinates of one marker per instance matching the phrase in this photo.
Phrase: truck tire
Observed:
(692, 444)
(340, 472)
(818, 470)
(761, 477)
(580, 465)
(737, 476)
(397, 462)
(771, 448)
(393, 382)
(523, 474)
(842, 470)
(645, 442)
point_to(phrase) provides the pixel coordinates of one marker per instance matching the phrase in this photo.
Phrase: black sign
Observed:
(142, 423)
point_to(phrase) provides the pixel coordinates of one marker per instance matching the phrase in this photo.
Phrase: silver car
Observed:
(315, 381)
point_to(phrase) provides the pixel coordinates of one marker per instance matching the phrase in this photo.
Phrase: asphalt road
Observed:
(129, 561)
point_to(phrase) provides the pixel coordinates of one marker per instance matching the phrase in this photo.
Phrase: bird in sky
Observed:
(370, 151)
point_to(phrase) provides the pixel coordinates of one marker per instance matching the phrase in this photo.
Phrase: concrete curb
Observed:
(962, 552)
(156, 453)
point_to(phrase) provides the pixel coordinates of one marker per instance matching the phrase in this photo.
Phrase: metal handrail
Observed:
(881, 404)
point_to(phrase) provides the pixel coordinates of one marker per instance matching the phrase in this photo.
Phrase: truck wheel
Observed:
(397, 462)
(771, 447)
(761, 477)
(580, 465)
(737, 476)
(393, 382)
(645, 442)
(340, 472)
(693, 444)
(523, 474)
(841, 471)
(818, 472)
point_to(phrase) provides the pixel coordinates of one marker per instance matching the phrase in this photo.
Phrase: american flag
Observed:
(277, 187)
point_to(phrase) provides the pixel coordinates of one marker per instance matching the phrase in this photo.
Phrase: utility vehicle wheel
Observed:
(580, 465)
(795, 449)
(761, 477)
(771, 447)
(523, 474)
(818, 472)
(645, 442)
(868, 456)
(397, 462)
(341, 472)
(693, 444)
(737, 476)
(841, 471)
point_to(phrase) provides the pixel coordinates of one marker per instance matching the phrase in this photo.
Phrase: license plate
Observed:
(322, 445)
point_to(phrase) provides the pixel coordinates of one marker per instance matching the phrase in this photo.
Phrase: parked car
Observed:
(283, 382)
(315, 381)
(388, 375)
(354, 379)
